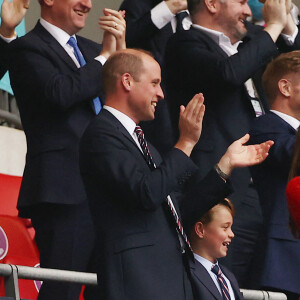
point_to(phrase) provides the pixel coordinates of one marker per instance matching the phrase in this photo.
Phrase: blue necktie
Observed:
(72, 42)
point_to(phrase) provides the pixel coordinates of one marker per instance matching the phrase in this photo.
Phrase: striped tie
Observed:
(223, 285)
(140, 135)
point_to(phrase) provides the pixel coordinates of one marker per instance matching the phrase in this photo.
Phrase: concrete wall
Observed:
(91, 30)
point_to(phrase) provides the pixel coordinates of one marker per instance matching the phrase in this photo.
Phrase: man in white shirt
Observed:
(55, 77)
(223, 56)
(277, 249)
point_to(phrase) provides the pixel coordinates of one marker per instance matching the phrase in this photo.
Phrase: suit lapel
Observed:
(127, 137)
(202, 275)
(54, 45)
(87, 52)
(198, 34)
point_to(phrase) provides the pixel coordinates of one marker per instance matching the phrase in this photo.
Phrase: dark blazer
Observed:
(278, 259)
(204, 287)
(195, 63)
(55, 102)
(140, 30)
(138, 248)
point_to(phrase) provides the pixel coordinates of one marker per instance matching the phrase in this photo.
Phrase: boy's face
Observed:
(217, 234)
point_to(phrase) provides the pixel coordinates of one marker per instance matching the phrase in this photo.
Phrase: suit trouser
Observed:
(65, 238)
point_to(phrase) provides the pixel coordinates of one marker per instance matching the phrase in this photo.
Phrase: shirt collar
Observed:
(205, 263)
(60, 35)
(219, 37)
(127, 122)
(289, 119)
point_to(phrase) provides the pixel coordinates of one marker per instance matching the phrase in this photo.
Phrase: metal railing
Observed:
(12, 273)
(11, 118)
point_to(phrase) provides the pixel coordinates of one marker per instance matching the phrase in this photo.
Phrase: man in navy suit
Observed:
(277, 259)
(222, 56)
(128, 184)
(57, 88)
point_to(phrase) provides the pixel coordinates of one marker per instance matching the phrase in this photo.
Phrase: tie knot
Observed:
(216, 269)
(72, 42)
(139, 131)
(180, 16)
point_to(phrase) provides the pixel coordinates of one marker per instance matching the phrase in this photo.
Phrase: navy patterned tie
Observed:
(223, 285)
(179, 17)
(140, 135)
(72, 42)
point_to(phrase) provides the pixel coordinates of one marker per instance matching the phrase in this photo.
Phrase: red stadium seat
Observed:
(21, 250)
(9, 192)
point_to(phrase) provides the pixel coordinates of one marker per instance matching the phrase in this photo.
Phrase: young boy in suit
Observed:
(210, 237)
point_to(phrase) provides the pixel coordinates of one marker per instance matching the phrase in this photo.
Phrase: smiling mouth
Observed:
(80, 12)
(226, 244)
(154, 104)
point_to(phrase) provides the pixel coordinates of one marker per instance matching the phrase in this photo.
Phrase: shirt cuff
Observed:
(101, 59)
(295, 13)
(161, 15)
(7, 40)
(290, 39)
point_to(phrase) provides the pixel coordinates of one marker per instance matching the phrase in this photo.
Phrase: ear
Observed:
(48, 2)
(212, 5)
(285, 87)
(199, 229)
(127, 81)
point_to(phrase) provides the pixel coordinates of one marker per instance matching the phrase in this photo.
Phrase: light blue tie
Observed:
(72, 42)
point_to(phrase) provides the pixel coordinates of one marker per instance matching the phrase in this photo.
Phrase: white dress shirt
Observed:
(287, 118)
(62, 38)
(161, 16)
(208, 266)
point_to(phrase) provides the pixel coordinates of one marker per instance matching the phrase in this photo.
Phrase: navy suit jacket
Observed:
(278, 258)
(204, 287)
(140, 30)
(195, 63)
(138, 246)
(55, 103)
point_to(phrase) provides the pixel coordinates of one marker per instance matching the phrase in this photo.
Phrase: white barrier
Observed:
(12, 273)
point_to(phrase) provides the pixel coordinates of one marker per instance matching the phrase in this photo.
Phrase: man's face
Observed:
(231, 16)
(70, 15)
(146, 92)
(217, 234)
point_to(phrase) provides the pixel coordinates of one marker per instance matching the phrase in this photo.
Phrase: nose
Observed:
(231, 234)
(159, 93)
(87, 3)
(247, 10)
